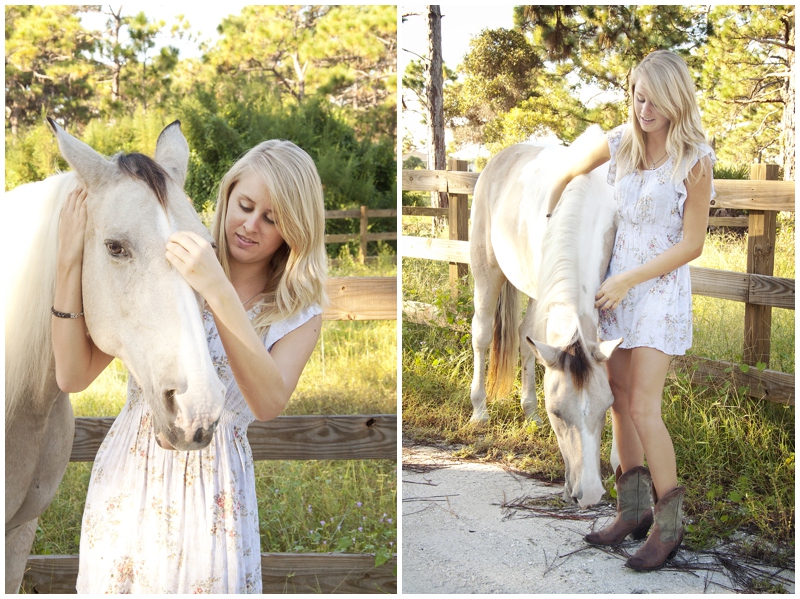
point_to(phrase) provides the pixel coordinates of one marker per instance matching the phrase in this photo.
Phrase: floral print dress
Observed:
(656, 313)
(162, 521)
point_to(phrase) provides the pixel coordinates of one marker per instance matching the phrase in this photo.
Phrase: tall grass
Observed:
(719, 324)
(735, 454)
(304, 506)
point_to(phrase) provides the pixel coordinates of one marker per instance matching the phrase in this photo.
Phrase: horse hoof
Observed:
(479, 420)
(533, 418)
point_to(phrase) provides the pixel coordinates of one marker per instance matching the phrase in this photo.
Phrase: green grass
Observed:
(719, 324)
(735, 454)
(304, 506)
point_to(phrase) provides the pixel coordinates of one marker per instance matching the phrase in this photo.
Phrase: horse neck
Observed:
(565, 307)
(30, 370)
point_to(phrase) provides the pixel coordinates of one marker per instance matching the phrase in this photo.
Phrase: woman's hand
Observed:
(612, 292)
(195, 259)
(72, 227)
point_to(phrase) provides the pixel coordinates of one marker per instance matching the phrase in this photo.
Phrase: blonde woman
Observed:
(162, 521)
(661, 169)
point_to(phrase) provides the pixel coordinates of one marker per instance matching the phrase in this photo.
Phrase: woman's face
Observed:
(253, 236)
(650, 119)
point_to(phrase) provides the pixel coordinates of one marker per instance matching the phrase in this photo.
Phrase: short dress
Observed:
(656, 313)
(163, 521)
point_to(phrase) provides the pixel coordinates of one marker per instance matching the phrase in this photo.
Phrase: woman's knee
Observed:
(645, 415)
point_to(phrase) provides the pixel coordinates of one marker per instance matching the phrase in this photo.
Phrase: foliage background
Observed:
(323, 77)
(560, 68)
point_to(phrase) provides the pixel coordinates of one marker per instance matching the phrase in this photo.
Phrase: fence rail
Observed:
(757, 288)
(280, 573)
(363, 236)
(346, 437)
(340, 437)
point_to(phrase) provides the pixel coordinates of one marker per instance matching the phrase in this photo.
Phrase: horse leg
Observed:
(529, 401)
(488, 281)
(19, 541)
(614, 458)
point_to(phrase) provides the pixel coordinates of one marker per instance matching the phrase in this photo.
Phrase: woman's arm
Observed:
(599, 154)
(266, 380)
(695, 222)
(78, 360)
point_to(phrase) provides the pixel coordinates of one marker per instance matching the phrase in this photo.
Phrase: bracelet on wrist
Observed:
(64, 314)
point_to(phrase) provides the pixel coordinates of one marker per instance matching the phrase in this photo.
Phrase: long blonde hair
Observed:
(298, 269)
(667, 78)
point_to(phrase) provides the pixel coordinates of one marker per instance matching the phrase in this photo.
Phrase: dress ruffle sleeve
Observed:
(282, 328)
(683, 173)
(614, 139)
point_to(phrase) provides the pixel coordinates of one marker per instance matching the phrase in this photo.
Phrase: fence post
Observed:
(458, 224)
(761, 233)
(362, 250)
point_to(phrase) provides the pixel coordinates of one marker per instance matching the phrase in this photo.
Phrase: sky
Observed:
(459, 25)
(203, 17)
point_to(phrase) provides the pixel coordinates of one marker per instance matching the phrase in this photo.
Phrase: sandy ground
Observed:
(459, 538)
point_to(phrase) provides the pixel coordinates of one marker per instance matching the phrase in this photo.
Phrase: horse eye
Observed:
(116, 249)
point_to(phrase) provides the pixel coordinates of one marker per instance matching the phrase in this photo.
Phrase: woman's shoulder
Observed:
(617, 132)
(700, 156)
(615, 139)
(283, 327)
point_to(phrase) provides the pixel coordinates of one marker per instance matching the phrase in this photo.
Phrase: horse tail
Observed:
(504, 348)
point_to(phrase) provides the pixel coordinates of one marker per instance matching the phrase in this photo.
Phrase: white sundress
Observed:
(656, 313)
(163, 521)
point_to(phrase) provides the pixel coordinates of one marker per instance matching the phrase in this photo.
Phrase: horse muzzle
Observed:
(176, 438)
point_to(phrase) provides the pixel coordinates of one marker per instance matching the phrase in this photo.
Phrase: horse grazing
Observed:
(559, 265)
(137, 307)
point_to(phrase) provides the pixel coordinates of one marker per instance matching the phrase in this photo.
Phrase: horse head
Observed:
(137, 306)
(577, 396)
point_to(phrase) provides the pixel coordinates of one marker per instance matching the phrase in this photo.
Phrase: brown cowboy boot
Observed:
(667, 534)
(634, 515)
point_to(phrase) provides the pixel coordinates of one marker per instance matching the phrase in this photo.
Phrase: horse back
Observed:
(508, 214)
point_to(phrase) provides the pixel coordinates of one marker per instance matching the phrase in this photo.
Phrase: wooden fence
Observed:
(762, 196)
(363, 236)
(359, 437)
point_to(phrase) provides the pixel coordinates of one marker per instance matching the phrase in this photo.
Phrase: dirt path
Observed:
(458, 538)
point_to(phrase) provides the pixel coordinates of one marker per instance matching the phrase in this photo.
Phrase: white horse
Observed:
(559, 263)
(137, 307)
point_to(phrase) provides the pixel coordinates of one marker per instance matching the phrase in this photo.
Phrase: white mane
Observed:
(32, 213)
(565, 297)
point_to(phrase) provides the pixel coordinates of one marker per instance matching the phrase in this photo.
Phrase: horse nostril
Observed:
(169, 401)
(198, 435)
(203, 436)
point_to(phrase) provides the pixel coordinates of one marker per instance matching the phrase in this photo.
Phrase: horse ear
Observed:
(547, 354)
(90, 166)
(172, 152)
(603, 350)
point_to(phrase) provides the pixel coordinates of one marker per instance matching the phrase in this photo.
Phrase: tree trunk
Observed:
(301, 76)
(433, 84)
(13, 120)
(116, 69)
(788, 110)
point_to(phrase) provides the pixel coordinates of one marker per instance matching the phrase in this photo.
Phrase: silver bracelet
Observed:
(64, 314)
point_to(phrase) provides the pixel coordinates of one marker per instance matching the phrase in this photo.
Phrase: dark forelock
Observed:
(146, 170)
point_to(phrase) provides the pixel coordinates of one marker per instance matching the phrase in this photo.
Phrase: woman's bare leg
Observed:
(629, 448)
(647, 373)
